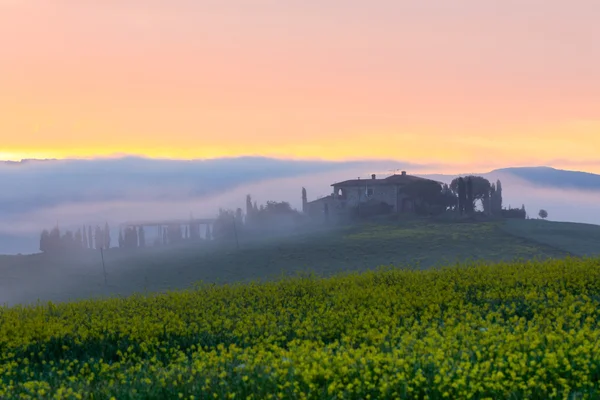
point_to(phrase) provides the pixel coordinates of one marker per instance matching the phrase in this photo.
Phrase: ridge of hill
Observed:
(538, 176)
(558, 178)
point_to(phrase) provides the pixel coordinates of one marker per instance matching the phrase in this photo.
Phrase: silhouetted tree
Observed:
(141, 237)
(449, 199)
(481, 190)
(461, 189)
(428, 196)
(304, 201)
(99, 238)
(239, 217)
(54, 242)
(45, 245)
(78, 239)
(498, 197)
(90, 238)
(208, 233)
(249, 210)
(489, 206)
(224, 225)
(470, 204)
(174, 233)
(84, 239)
(195, 231)
(68, 241)
(130, 238)
(121, 239)
(106, 232)
(543, 214)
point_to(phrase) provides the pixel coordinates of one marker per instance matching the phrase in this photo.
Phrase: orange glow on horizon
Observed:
(470, 86)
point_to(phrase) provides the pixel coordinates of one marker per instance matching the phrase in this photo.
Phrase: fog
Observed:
(40, 195)
(60, 193)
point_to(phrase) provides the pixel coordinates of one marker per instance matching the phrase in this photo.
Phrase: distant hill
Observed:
(538, 176)
(557, 178)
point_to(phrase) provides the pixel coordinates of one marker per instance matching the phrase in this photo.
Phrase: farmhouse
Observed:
(390, 191)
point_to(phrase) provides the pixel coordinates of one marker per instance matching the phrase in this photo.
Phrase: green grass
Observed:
(574, 238)
(418, 243)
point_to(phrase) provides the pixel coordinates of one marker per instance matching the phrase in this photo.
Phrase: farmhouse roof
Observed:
(395, 179)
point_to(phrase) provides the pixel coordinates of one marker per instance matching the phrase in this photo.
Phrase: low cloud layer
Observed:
(40, 194)
(37, 195)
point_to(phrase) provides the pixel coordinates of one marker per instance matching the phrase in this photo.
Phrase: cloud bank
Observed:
(40, 194)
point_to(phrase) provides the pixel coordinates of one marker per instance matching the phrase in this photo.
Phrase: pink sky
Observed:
(466, 82)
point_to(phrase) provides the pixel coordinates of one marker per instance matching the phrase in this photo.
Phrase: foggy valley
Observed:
(72, 193)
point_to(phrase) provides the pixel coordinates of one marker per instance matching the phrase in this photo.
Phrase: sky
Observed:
(467, 82)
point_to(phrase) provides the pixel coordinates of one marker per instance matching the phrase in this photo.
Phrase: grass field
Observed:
(415, 243)
(496, 329)
(577, 239)
(514, 331)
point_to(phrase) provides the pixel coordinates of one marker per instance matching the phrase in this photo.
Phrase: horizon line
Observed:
(427, 166)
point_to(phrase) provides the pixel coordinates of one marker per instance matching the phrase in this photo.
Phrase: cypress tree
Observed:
(54, 241)
(249, 209)
(142, 237)
(106, 236)
(470, 204)
(462, 195)
(136, 238)
(45, 241)
(84, 238)
(78, 239)
(498, 196)
(99, 238)
(304, 201)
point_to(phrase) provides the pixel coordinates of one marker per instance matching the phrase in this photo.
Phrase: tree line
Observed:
(134, 237)
(471, 189)
(462, 195)
(269, 217)
(52, 241)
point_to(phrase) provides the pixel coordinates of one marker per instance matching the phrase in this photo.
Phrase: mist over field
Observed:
(37, 195)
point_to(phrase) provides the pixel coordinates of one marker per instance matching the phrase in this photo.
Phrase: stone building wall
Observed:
(354, 195)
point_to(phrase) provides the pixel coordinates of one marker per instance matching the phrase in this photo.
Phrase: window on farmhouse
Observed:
(370, 192)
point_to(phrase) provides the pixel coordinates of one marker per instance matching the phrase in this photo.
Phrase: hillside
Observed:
(417, 243)
(581, 240)
(508, 331)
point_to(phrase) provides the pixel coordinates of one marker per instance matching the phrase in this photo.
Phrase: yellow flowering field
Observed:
(520, 330)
